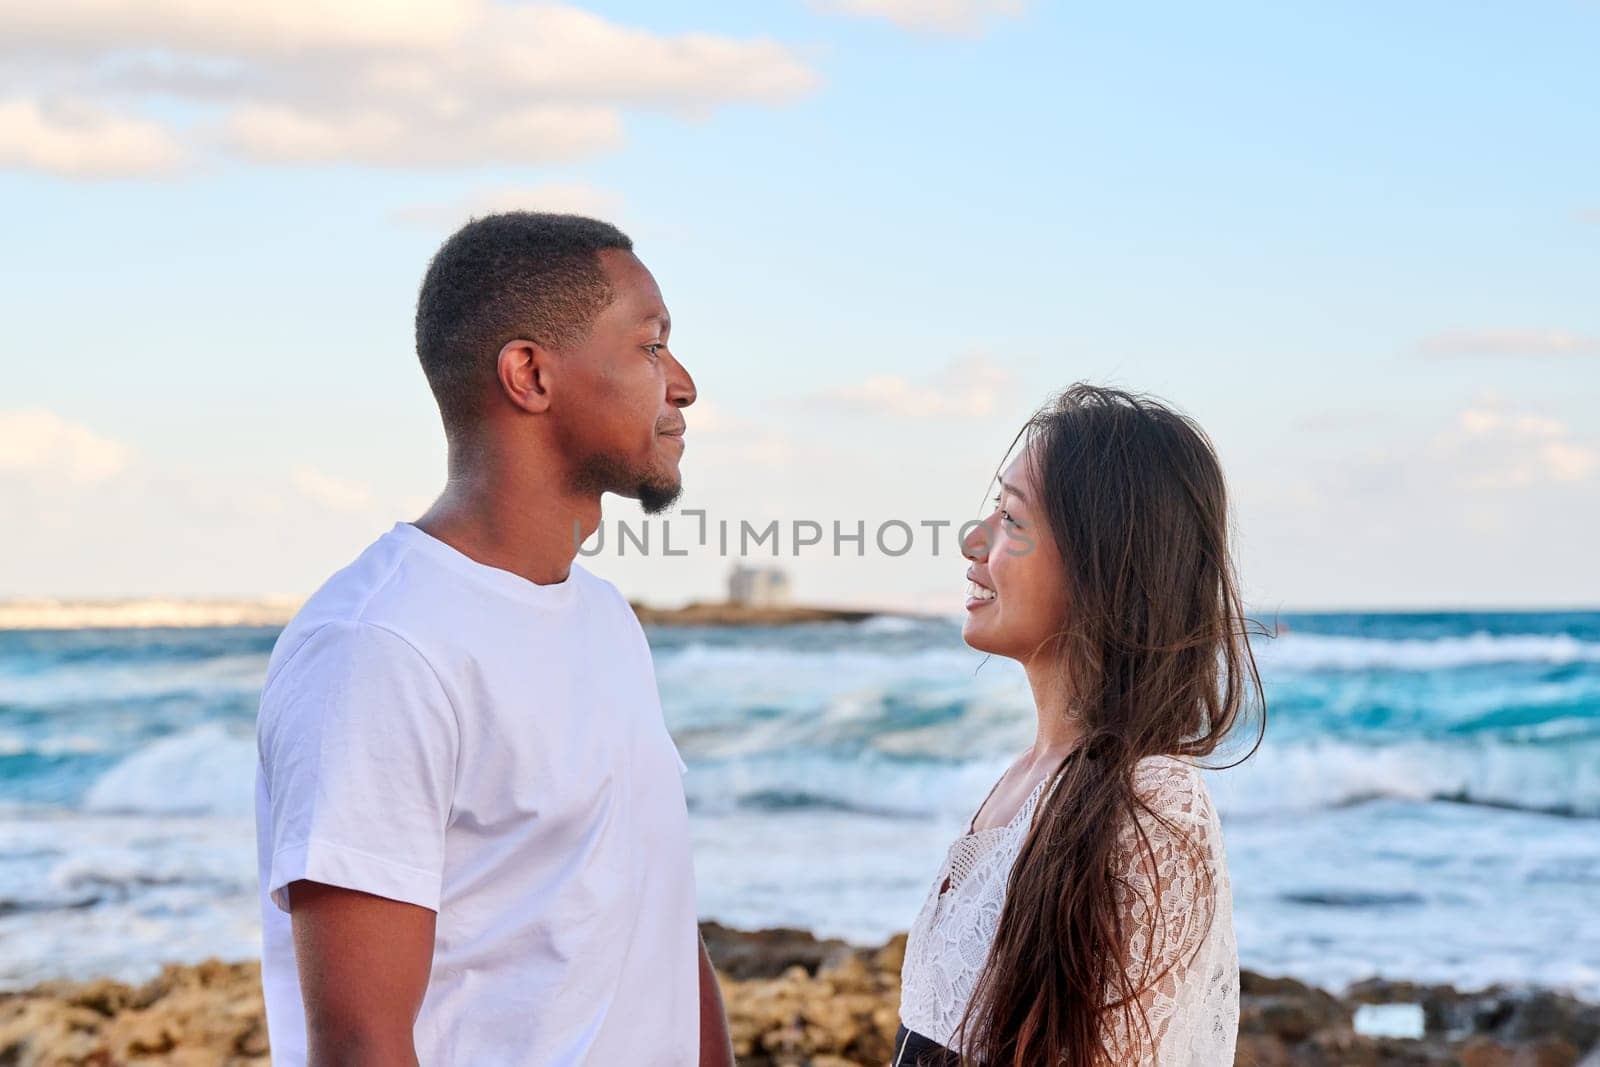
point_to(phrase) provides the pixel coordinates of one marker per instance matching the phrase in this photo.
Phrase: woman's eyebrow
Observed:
(1014, 491)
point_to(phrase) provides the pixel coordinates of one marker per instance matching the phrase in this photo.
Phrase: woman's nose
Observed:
(975, 544)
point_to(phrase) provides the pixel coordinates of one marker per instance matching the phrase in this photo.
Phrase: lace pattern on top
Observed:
(1182, 944)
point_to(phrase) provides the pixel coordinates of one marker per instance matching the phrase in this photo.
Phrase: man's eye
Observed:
(655, 350)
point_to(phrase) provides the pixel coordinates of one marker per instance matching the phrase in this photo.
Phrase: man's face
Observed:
(624, 392)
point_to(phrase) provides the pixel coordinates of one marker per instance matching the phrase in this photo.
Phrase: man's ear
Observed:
(526, 370)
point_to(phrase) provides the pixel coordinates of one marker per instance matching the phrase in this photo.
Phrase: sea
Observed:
(1425, 804)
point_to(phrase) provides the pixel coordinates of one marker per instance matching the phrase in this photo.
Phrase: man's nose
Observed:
(680, 386)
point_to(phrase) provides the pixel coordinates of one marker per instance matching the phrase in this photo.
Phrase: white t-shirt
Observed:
(448, 734)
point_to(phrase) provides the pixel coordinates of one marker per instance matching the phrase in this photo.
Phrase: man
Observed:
(470, 818)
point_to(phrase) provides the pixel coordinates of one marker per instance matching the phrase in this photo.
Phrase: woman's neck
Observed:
(1059, 727)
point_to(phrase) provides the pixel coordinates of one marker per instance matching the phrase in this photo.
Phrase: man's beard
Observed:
(656, 491)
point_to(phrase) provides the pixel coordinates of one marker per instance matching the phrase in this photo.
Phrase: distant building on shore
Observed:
(758, 587)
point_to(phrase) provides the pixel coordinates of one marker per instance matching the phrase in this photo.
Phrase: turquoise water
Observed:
(1426, 804)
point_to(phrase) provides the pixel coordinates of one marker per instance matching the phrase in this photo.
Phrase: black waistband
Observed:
(911, 1049)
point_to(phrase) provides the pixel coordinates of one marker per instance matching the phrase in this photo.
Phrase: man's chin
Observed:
(656, 489)
(657, 496)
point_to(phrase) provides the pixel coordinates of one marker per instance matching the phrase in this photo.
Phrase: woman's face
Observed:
(1017, 597)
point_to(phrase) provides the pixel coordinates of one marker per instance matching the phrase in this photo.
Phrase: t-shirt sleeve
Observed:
(629, 620)
(358, 745)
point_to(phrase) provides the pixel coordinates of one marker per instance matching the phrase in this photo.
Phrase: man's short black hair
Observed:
(518, 274)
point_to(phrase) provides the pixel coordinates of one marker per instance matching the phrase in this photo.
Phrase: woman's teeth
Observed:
(978, 592)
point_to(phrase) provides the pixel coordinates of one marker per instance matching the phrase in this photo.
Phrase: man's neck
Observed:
(506, 516)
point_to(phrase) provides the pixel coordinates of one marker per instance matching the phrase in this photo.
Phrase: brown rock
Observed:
(767, 953)
(1288, 1010)
(793, 1001)
(722, 613)
(103, 996)
(1483, 1051)
(200, 1016)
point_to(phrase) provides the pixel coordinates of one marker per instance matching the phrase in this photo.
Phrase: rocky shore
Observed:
(797, 1001)
(722, 613)
(136, 614)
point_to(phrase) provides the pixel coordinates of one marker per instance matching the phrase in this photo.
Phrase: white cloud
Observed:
(573, 54)
(82, 140)
(1494, 503)
(572, 198)
(1512, 343)
(1486, 421)
(537, 134)
(1566, 462)
(1492, 448)
(223, 26)
(421, 83)
(731, 441)
(93, 517)
(44, 444)
(929, 16)
(973, 387)
(335, 494)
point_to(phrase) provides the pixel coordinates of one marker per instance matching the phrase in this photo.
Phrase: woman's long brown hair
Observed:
(1156, 657)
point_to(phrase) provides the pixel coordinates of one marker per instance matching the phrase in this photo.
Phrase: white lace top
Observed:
(1184, 935)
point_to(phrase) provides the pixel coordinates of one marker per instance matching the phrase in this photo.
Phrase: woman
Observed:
(1085, 918)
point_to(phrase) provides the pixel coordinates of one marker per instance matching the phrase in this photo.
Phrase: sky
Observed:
(1359, 243)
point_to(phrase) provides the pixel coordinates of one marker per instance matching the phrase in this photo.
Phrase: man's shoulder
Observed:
(608, 598)
(355, 604)
(389, 595)
(595, 586)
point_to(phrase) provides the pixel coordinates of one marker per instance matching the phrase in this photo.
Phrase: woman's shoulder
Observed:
(1175, 829)
(1172, 788)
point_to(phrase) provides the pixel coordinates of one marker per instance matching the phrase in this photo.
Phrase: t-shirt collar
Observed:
(556, 594)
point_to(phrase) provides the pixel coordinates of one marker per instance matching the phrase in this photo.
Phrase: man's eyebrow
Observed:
(1014, 491)
(660, 317)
